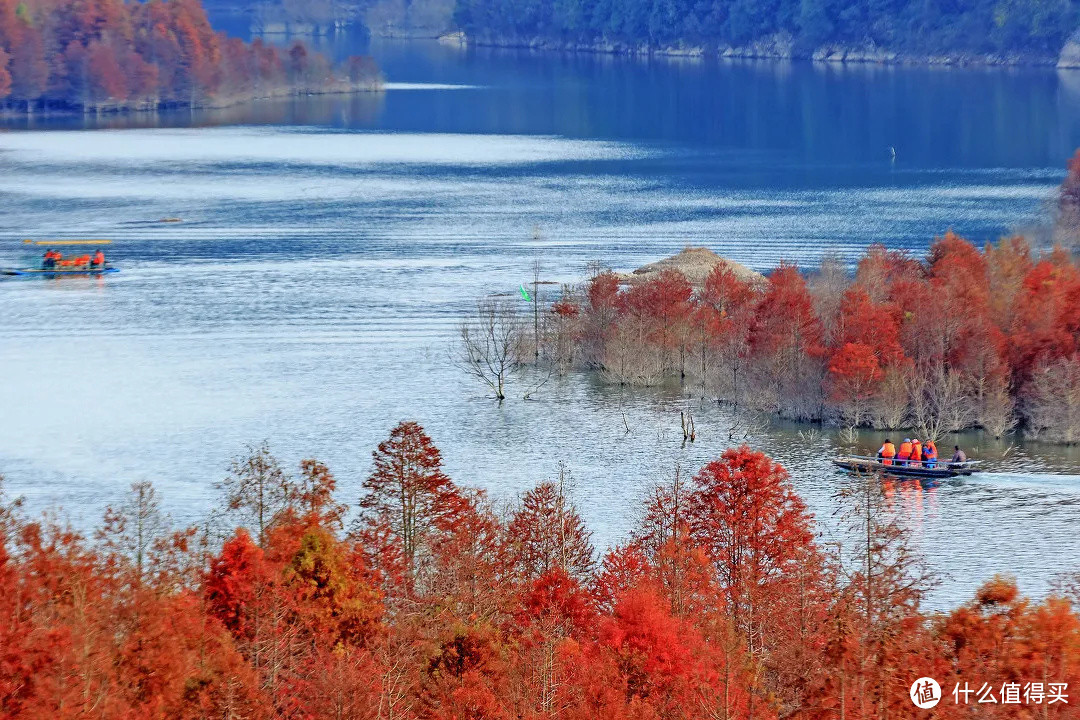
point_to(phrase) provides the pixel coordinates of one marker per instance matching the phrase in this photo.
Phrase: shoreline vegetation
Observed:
(427, 601)
(109, 56)
(965, 338)
(778, 47)
(978, 32)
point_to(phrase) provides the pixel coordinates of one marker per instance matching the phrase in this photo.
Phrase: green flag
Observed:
(525, 293)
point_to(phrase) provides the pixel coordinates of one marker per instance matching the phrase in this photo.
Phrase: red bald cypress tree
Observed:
(787, 339)
(407, 495)
(758, 535)
(854, 381)
(546, 533)
(600, 316)
(237, 576)
(722, 323)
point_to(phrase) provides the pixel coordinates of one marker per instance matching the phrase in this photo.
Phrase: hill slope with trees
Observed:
(108, 54)
(1009, 31)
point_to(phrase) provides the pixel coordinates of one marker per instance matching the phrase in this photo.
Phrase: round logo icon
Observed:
(925, 693)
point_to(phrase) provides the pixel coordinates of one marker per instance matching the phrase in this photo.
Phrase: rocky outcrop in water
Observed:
(695, 263)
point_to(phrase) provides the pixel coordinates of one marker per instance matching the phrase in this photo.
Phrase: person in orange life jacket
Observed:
(916, 452)
(49, 259)
(99, 259)
(887, 452)
(904, 453)
(929, 453)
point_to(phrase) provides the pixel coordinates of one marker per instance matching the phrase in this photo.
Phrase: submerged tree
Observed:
(491, 344)
(1053, 402)
(854, 381)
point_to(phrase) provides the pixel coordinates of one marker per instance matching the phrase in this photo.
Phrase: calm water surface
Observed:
(329, 247)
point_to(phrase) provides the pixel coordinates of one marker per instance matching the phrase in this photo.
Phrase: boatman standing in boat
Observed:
(887, 452)
(99, 259)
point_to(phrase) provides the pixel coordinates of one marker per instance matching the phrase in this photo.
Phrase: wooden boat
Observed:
(861, 464)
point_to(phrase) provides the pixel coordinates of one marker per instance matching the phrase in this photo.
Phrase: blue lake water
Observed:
(329, 246)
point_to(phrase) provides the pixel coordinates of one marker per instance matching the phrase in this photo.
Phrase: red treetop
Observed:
(873, 325)
(854, 372)
(546, 533)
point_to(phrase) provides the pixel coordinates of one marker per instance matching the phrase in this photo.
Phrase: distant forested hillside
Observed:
(111, 54)
(1036, 27)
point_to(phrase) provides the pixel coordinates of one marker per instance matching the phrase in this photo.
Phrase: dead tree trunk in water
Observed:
(536, 305)
(689, 430)
(490, 347)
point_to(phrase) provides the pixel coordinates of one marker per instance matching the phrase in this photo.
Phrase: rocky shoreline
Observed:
(781, 46)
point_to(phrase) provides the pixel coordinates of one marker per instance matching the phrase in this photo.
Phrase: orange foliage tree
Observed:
(720, 605)
(406, 498)
(112, 54)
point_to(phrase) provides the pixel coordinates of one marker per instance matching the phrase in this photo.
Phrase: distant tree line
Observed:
(95, 54)
(1033, 27)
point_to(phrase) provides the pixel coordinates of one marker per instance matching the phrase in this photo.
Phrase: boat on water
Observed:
(862, 464)
(53, 272)
(53, 264)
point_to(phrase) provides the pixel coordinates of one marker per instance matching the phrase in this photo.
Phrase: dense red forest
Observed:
(964, 337)
(428, 603)
(109, 54)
